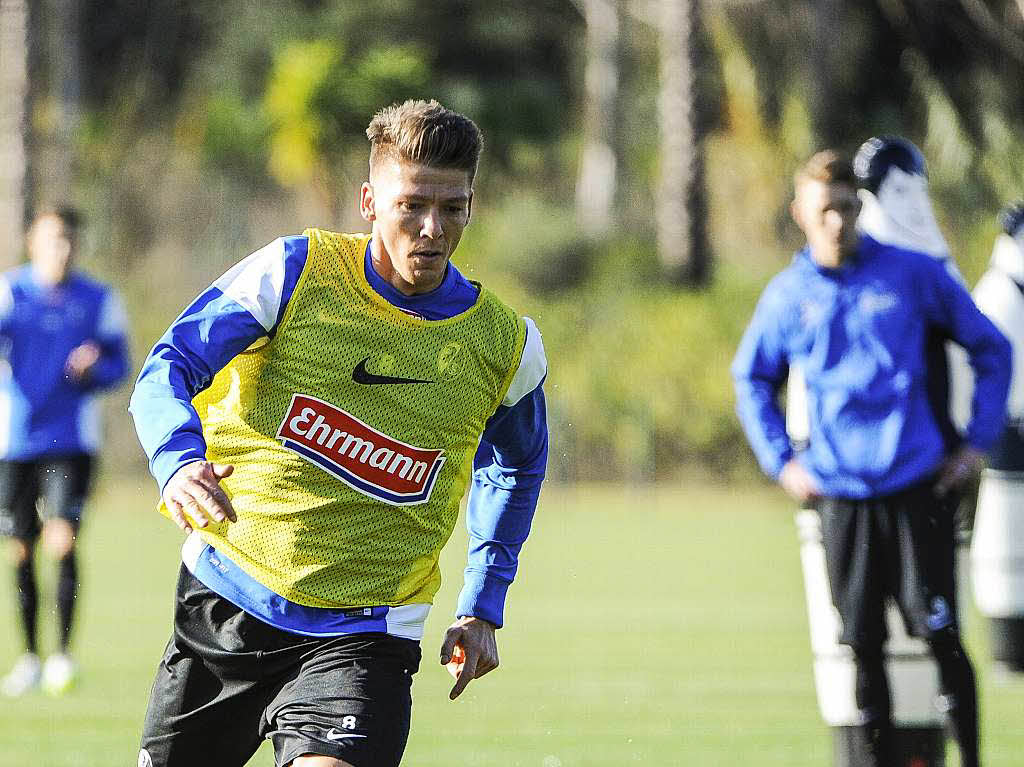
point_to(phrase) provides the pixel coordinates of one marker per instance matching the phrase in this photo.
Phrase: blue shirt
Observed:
(44, 411)
(858, 333)
(245, 305)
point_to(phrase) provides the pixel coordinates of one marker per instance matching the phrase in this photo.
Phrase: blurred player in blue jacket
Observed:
(62, 340)
(853, 315)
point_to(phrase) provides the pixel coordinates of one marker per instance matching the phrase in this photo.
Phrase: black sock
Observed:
(959, 695)
(67, 593)
(874, 707)
(28, 600)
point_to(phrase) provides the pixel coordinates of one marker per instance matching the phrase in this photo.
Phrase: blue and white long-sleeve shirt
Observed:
(243, 308)
(44, 411)
(857, 334)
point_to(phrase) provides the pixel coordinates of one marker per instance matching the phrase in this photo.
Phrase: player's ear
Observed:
(367, 203)
(794, 211)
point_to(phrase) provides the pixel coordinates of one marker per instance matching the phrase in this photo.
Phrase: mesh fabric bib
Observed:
(352, 434)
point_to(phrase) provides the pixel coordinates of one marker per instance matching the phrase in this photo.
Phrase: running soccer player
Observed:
(852, 314)
(313, 420)
(62, 341)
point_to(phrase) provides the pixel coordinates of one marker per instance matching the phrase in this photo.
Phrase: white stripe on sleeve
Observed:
(6, 297)
(113, 319)
(257, 282)
(532, 367)
(89, 426)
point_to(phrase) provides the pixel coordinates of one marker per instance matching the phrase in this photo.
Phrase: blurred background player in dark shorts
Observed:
(854, 314)
(62, 341)
(313, 421)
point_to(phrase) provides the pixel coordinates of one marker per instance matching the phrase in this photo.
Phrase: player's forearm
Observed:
(763, 424)
(990, 354)
(992, 364)
(502, 503)
(492, 568)
(758, 371)
(168, 429)
(207, 336)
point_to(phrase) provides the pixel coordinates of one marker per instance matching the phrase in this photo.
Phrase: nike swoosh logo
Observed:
(360, 376)
(335, 735)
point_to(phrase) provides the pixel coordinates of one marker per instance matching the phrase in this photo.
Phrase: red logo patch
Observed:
(360, 456)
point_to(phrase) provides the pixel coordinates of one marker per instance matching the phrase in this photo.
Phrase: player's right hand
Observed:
(798, 482)
(194, 495)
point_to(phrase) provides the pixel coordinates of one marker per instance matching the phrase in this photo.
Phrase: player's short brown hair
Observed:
(427, 133)
(827, 166)
(70, 218)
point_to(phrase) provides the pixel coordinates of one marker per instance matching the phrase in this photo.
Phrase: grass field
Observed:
(656, 627)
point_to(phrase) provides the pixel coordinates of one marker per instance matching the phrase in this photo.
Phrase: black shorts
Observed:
(61, 484)
(900, 546)
(227, 681)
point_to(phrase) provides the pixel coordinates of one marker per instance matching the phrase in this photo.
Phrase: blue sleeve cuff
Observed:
(483, 596)
(186, 449)
(205, 338)
(507, 478)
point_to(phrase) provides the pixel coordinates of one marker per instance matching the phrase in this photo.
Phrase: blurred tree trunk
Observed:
(57, 110)
(13, 88)
(681, 200)
(596, 183)
(828, 116)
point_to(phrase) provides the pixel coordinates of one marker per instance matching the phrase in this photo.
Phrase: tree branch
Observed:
(982, 16)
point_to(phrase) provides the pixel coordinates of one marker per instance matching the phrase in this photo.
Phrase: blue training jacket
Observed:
(44, 412)
(859, 334)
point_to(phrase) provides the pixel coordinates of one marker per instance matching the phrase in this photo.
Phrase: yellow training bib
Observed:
(352, 434)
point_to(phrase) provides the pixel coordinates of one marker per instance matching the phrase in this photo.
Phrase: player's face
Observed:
(50, 249)
(418, 214)
(827, 214)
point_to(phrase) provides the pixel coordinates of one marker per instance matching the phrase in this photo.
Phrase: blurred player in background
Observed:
(313, 420)
(1000, 295)
(853, 314)
(62, 340)
(998, 545)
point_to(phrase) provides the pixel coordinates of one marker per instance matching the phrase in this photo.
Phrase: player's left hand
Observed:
(469, 651)
(959, 469)
(81, 360)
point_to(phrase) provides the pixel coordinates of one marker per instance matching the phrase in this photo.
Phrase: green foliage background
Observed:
(210, 128)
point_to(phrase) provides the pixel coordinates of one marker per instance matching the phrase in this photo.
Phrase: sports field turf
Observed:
(656, 627)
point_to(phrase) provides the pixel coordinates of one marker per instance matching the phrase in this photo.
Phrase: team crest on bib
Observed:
(363, 458)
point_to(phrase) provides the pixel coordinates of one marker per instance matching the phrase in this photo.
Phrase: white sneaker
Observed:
(23, 677)
(59, 674)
